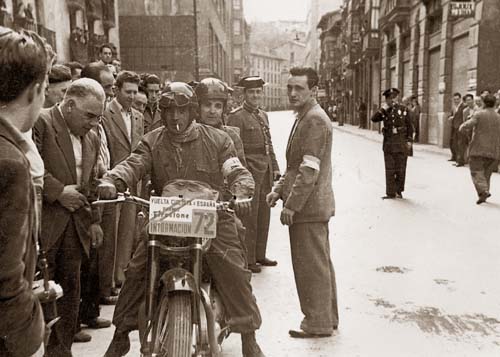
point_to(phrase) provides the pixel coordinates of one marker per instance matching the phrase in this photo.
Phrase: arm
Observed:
(314, 140)
(469, 124)
(378, 116)
(22, 323)
(240, 180)
(274, 162)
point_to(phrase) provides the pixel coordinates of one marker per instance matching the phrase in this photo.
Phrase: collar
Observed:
(250, 108)
(13, 134)
(58, 108)
(309, 104)
(120, 107)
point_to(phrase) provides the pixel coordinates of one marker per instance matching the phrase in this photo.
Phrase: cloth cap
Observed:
(251, 82)
(59, 73)
(390, 91)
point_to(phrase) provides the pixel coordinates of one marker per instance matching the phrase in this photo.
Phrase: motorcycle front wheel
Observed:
(173, 337)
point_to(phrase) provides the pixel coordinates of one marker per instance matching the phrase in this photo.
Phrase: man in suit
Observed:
(259, 152)
(398, 134)
(70, 151)
(306, 190)
(456, 119)
(484, 146)
(124, 128)
(152, 117)
(23, 69)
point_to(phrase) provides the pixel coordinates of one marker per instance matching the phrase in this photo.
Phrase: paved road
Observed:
(416, 277)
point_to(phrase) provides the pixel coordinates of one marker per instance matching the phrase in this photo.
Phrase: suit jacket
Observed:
(120, 146)
(457, 115)
(255, 137)
(306, 186)
(152, 120)
(54, 144)
(21, 326)
(485, 142)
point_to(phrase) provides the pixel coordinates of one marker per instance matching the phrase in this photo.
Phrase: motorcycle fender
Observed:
(178, 280)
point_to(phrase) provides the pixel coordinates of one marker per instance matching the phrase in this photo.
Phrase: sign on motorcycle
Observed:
(174, 216)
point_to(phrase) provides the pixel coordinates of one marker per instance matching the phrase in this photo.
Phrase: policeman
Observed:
(398, 131)
(183, 149)
(254, 130)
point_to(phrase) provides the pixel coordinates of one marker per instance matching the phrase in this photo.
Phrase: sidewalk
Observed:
(375, 136)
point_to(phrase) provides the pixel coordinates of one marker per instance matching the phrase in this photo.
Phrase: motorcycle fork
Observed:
(153, 269)
(197, 268)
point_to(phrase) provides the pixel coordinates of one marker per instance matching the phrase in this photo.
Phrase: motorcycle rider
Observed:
(184, 149)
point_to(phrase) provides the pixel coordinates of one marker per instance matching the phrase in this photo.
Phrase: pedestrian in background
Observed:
(484, 146)
(308, 205)
(465, 136)
(416, 110)
(253, 124)
(455, 119)
(24, 64)
(362, 112)
(152, 117)
(398, 133)
(407, 103)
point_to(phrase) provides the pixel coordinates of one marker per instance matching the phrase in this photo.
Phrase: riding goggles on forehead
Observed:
(172, 98)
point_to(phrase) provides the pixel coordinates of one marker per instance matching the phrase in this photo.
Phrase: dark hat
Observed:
(390, 91)
(59, 73)
(251, 82)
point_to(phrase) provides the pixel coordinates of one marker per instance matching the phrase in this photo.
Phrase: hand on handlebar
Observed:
(243, 207)
(106, 191)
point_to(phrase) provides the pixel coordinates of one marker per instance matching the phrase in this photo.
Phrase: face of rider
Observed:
(176, 119)
(211, 111)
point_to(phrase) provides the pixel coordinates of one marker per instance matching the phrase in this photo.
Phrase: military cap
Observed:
(390, 91)
(59, 73)
(251, 82)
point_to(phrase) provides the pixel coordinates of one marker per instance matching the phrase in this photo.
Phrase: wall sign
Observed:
(462, 8)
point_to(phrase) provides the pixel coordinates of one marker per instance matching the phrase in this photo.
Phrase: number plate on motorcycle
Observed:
(173, 216)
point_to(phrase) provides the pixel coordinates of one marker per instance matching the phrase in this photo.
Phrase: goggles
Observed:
(174, 98)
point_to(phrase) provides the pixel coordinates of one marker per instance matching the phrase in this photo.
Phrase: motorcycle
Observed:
(182, 315)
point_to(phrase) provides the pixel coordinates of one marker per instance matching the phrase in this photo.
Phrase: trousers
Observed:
(481, 169)
(395, 172)
(257, 223)
(226, 263)
(314, 276)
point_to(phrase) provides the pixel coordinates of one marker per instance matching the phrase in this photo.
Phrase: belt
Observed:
(257, 150)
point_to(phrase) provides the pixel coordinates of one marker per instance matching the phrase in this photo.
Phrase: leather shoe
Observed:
(108, 300)
(97, 323)
(482, 197)
(81, 336)
(389, 197)
(254, 268)
(399, 195)
(119, 346)
(304, 334)
(249, 346)
(267, 262)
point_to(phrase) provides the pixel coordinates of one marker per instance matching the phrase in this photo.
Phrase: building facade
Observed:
(74, 28)
(241, 42)
(271, 68)
(427, 48)
(163, 37)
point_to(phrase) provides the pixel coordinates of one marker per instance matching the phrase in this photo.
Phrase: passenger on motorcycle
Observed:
(184, 149)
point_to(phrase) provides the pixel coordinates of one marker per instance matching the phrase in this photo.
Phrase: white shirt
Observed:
(77, 150)
(127, 118)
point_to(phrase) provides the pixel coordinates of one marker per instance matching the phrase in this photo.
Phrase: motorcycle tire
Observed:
(173, 337)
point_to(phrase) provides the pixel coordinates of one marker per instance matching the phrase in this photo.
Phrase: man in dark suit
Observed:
(152, 117)
(306, 190)
(23, 68)
(70, 151)
(124, 128)
(456, 119)
(259, 152)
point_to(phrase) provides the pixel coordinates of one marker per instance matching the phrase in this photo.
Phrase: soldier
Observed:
(254, 130)
(398, 132)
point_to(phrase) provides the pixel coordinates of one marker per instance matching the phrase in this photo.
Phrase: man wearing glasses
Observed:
(70, 152)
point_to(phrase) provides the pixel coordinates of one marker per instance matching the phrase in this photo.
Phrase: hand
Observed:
(96, 235)
(276, 175)
(271, 198)
(243, 207)
(71, 199)
(106, 191)
(287, 216)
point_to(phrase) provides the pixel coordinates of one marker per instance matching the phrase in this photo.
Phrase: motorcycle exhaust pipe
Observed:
(214, 346)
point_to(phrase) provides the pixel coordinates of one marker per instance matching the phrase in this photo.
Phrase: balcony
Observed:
(394, 12)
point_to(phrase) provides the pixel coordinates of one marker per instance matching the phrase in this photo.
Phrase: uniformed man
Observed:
(183, 149)
(254, 130)
(398, 131)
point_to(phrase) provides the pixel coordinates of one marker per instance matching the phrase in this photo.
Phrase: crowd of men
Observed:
(71, 134)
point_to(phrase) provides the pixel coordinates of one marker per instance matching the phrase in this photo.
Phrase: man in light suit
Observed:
(124, 128)
(70, 151)
(306, 190)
